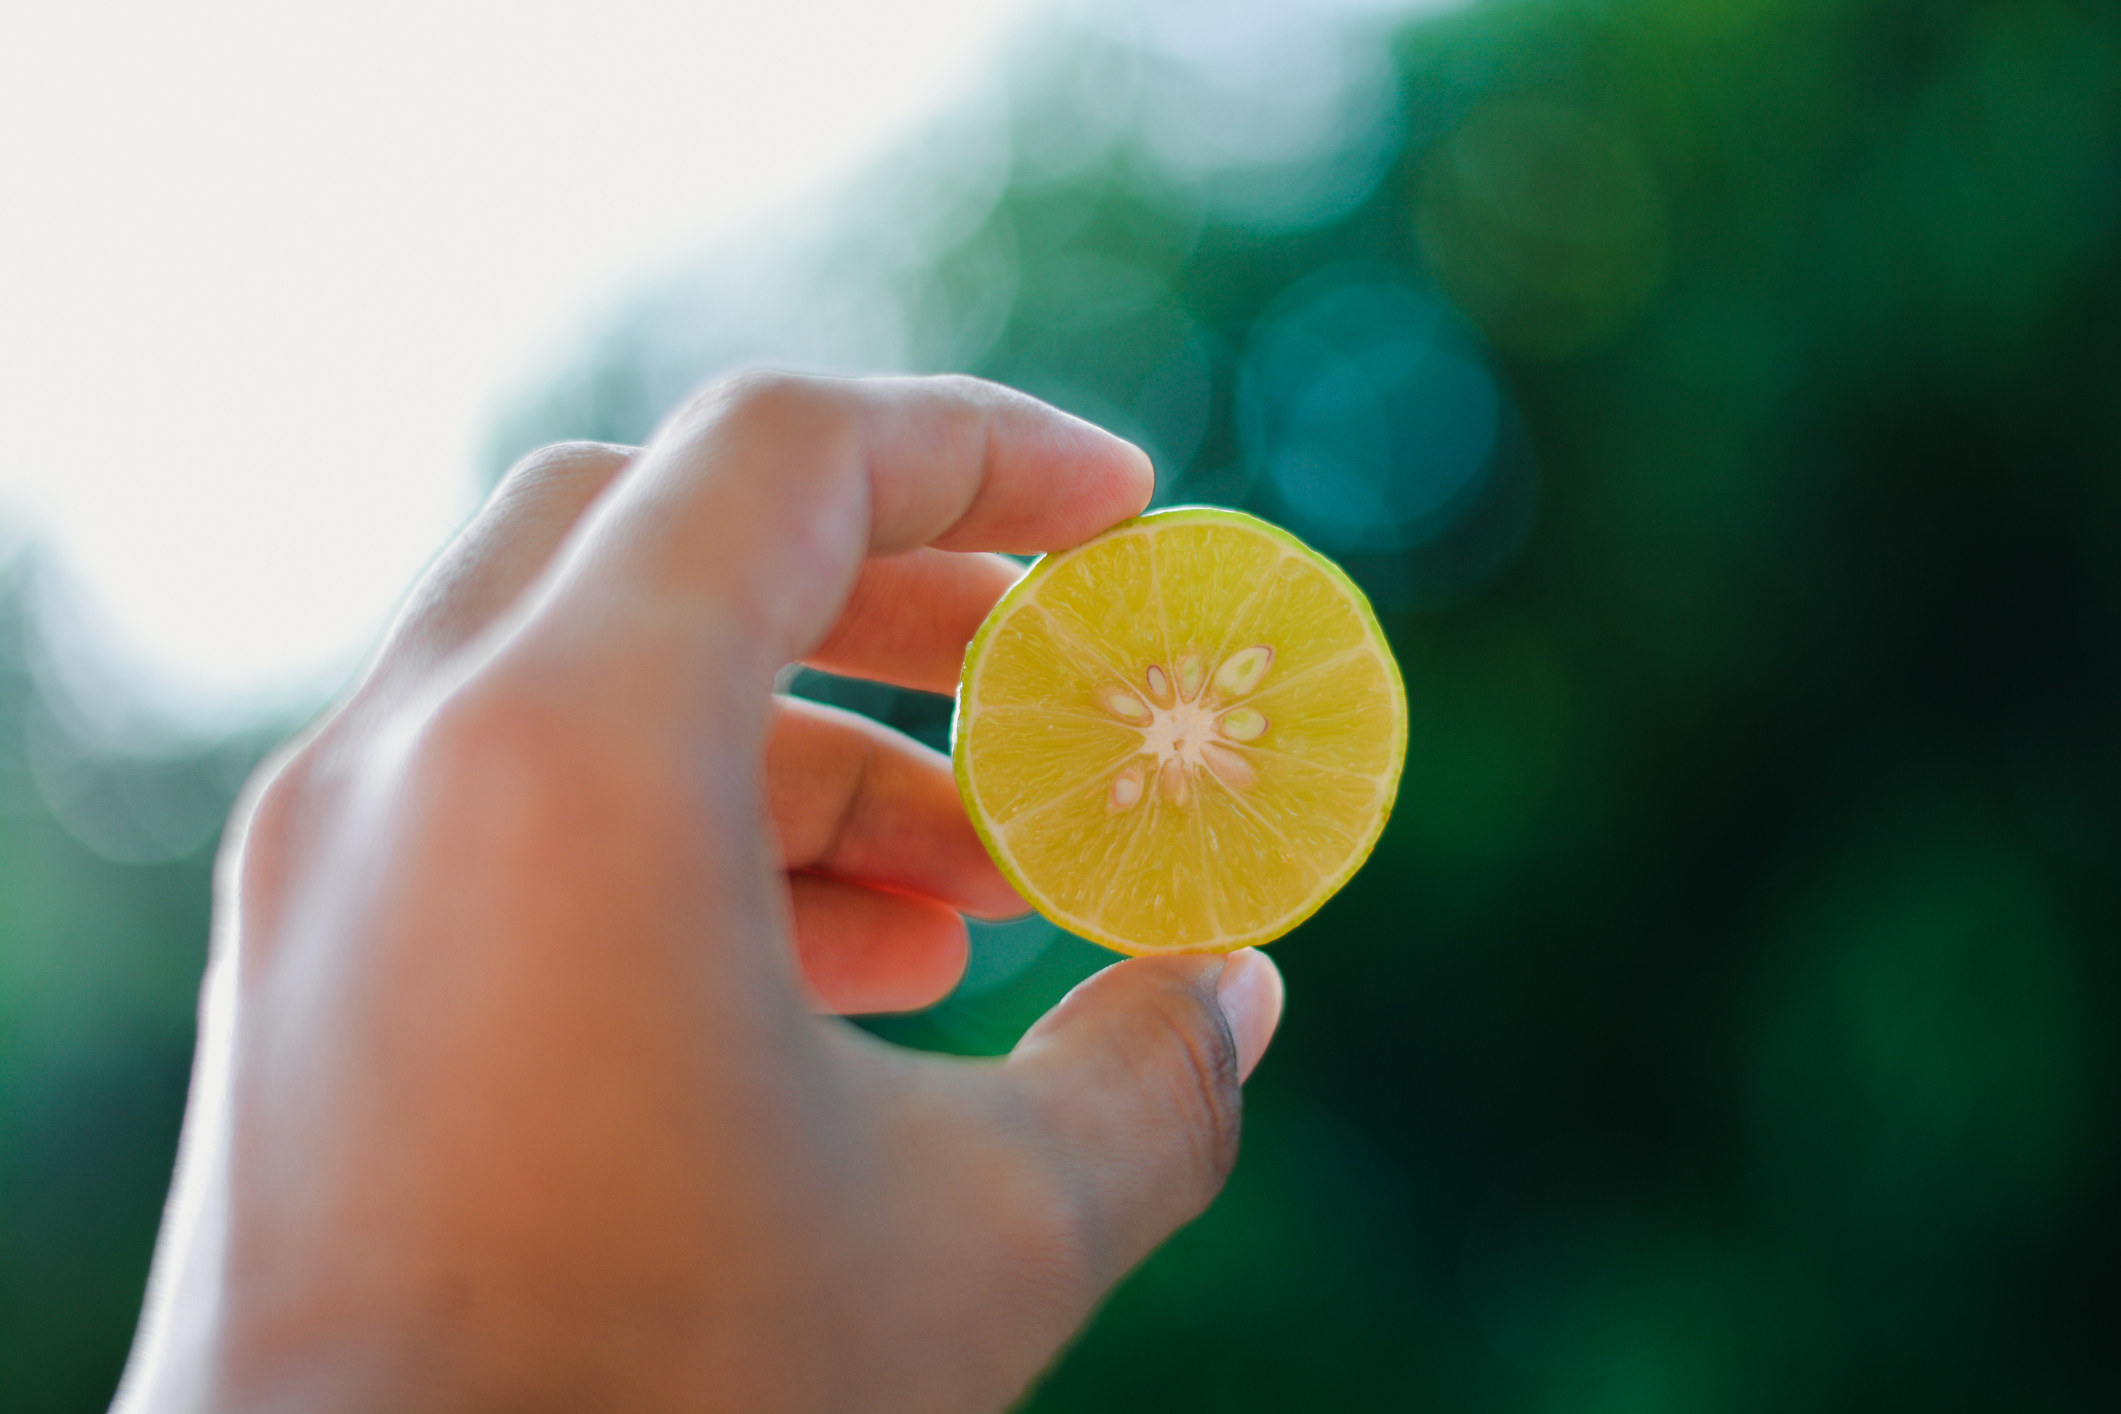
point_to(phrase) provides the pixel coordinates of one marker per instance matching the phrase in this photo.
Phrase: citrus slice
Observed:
(1181, 736)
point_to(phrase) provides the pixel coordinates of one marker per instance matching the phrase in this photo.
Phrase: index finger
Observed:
(756, 504)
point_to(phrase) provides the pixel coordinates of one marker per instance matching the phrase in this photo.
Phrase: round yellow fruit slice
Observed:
(1181, 736)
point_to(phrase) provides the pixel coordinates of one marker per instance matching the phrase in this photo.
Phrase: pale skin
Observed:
(517, 1085)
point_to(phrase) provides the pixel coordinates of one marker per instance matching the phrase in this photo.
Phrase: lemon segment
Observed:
(1181, 736)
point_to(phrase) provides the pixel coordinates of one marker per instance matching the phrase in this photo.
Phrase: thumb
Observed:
(1134, 1078)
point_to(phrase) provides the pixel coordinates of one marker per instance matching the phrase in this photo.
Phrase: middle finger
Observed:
(854, 799)
(909, 617)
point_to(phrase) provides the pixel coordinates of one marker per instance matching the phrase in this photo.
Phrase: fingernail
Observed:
(1250, 993)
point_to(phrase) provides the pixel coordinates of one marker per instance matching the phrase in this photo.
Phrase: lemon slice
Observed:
(1181, 736)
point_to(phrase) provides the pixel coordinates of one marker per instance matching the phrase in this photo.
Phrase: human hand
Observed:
(511, 1089)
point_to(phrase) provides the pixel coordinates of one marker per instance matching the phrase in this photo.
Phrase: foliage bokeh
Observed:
(1721, 403)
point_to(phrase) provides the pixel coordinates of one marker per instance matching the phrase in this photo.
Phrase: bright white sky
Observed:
(267, 269)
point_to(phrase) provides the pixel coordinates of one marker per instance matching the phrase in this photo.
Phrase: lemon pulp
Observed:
(1181, 736)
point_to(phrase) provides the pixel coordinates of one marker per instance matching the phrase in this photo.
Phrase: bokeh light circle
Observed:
(1373, 420)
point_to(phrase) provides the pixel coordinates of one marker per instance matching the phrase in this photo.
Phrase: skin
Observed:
(517, 1087)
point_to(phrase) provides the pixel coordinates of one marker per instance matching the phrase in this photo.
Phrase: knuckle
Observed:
(807, 425)
(768, 398)
(559, 463)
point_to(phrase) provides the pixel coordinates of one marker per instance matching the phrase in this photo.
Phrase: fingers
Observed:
(909, 617)
(863, 950)
(506, 546)
(741, 530)
(859, 801)
(1135, 1079)
(967, 465)
(884, 858)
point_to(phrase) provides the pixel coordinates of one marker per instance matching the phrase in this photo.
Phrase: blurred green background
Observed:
(1721, 401)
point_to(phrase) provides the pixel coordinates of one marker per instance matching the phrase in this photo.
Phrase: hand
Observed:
(511, 1089)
